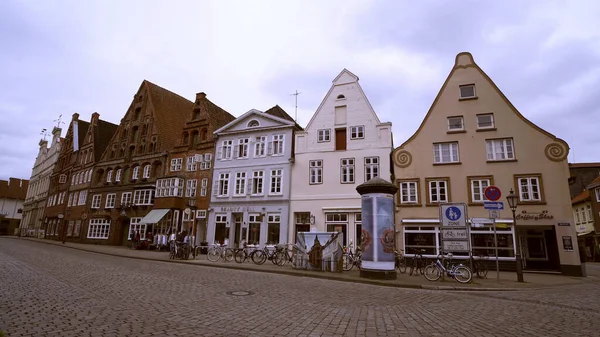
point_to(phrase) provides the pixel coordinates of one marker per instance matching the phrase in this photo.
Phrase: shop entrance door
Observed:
(237, 223)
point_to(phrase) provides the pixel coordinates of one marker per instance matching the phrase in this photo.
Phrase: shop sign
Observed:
(454, 233)
(237, 209)
(524, 215)
(456, 246)
(567, 243)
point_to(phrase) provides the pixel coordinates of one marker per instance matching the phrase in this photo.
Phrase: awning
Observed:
(584, 233)
(154, 216)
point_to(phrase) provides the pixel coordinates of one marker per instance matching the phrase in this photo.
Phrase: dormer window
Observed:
(62, 179)
(341, 97)
(253, 123)
(456, 123)
(467, 91)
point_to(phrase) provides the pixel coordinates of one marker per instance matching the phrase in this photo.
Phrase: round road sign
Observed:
(492, 193)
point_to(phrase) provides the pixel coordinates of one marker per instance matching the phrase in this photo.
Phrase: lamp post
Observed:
(513, 200)
(192, 205)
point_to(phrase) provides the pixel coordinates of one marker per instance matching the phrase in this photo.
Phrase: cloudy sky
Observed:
(62, 57)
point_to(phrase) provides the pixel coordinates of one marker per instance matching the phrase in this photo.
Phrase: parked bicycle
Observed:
(260, 256)
(459, 272)
(217, 252)
(351, 259)
(479, 263)
(418, 262)
(400, 261)
(179, 250)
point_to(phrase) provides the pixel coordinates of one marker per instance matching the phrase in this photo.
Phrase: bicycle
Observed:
(479, 265)
(217, 252)
(418, 262)
(400, 261)
(179, 250)
(241, 255)
(260, 256)
(284, 254)
(459, 272)
(350, 259)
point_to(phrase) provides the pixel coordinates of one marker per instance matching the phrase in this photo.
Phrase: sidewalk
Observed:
(507, 280)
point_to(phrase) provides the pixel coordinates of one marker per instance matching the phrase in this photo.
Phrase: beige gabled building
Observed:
(473, 137)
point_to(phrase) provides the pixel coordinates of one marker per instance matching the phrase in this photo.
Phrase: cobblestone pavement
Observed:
(47, 290)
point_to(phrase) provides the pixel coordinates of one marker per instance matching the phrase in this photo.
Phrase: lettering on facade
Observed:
(534, 216)
(237, 209)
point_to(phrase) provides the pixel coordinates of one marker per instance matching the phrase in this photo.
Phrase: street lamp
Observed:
(513, 200)
(192, 205)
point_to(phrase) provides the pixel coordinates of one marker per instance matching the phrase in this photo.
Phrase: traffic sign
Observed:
(453, 215)
(483, 221)
(494, 213)
(492, 193)
(499, 205)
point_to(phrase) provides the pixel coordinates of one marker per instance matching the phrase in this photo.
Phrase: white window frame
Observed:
(276, 179)
(176, 164)
(597, 190)
(480, 122)
(109, 176)
(439, 149)
(110, 200)
(530, 184)
(478, 197)
(260, 147)
(190, 188)
(147, 169)
(357, 132)
(118, 175)
(347, 170)
(170, 187)
(435, 190)
(203, 187)
(315, 172)
(70, 202)
(134, 226)
(82, 197)
(242, 149)
(226, 150)
(223, 185)
(277, 145)
(371, 168)
(258, 183)
(454, 126)
(406, 192)
(96, 201)
(460, 91)
(500, 149)
(135, 173)
(190, 164)
(81, 177)
(240, 184)
(201, 214)
(143, 197)
(126, 199)
(99, 229)
(323, 135)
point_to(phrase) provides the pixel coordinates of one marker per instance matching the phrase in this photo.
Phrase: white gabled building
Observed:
(343, 146)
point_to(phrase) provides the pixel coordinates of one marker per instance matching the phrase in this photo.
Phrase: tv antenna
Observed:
(296, 112)
(44, 133)
(59, 121)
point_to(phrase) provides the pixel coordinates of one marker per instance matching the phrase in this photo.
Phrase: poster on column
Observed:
(378, 232)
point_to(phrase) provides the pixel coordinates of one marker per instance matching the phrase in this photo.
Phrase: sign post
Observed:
(493, 194)
(455, 232)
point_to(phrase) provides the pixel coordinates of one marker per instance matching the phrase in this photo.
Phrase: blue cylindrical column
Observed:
(378, 229)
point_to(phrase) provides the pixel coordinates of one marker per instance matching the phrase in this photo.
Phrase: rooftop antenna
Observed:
(296, 113)
(44, 133)
(59, 121)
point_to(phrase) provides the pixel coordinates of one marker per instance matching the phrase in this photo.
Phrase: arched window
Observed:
(186, 138)
(253, 123)
(109, 176)
(341, 97)
(203, 134)
(81, 177)
(136, 114)
(134, 135)
(118, 175)
(136, 173)
(90, 175)
(147, 171)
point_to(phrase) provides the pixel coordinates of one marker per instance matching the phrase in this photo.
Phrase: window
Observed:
(147, 169)
(456, 123)
(341, 97)
(254, 222)
(598, 194)
(253, 123)
(467, 91)
(201, 214)
(409, 192)
(477, 186)
(445, 153)
(357, 132)
(62, 179)
(225, 150)
(136, 173)
(190, 164)
(70, 228)
(337, 222)
(273, 228)
(203, 187)
(347, 171)
(260, 146)
(81, 177)
(437, 190)
(190, 189)
(125, 199)
(135, 226)
(143, 197)
(276, 146)
(89, 177)
(371, 168)
(257, 182)
(240, 183)
(96, 200)
(241, 151)
(70, 202)
(77, 228)
(169, 187)
(529, 188)
(340, 139)
(176, 164)
(98, 229)
(323, 135)
(118, 175)
(276, 178)
(222, 185)
(73, 179)
(110, 200)
(315, 172)
(82, 198)
(485, 121)
(109, 176)
(499, 149)
(205, 161)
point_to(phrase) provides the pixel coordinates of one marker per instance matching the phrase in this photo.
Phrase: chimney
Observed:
(75, 117)
(200, 96)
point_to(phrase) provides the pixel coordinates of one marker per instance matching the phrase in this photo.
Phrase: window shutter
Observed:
(208, 157)
(220, 153)
(236, 152)
(270, 148)
(198, 158)
(215, 187)
(249, 185)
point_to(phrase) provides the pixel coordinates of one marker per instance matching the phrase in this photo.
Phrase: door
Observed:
(340, 139)
(124, 232)
(237, 223)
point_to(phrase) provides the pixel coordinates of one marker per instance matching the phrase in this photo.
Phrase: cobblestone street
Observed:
(48, 290)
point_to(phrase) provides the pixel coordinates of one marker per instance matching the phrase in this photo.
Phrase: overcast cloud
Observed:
(62, 57)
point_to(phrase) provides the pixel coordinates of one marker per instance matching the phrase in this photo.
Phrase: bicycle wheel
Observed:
(228, 255)
(482, 270)
(432, 272)
(462, 274)
(259, 257)
(401, 265)
(239, 256)
(213, 255)
(347, 262)
(186, 253)
(280, 258)
(172, 253)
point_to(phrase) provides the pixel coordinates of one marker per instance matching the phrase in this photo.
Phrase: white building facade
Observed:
(251, 179)
(39, 183)
(343, 146)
